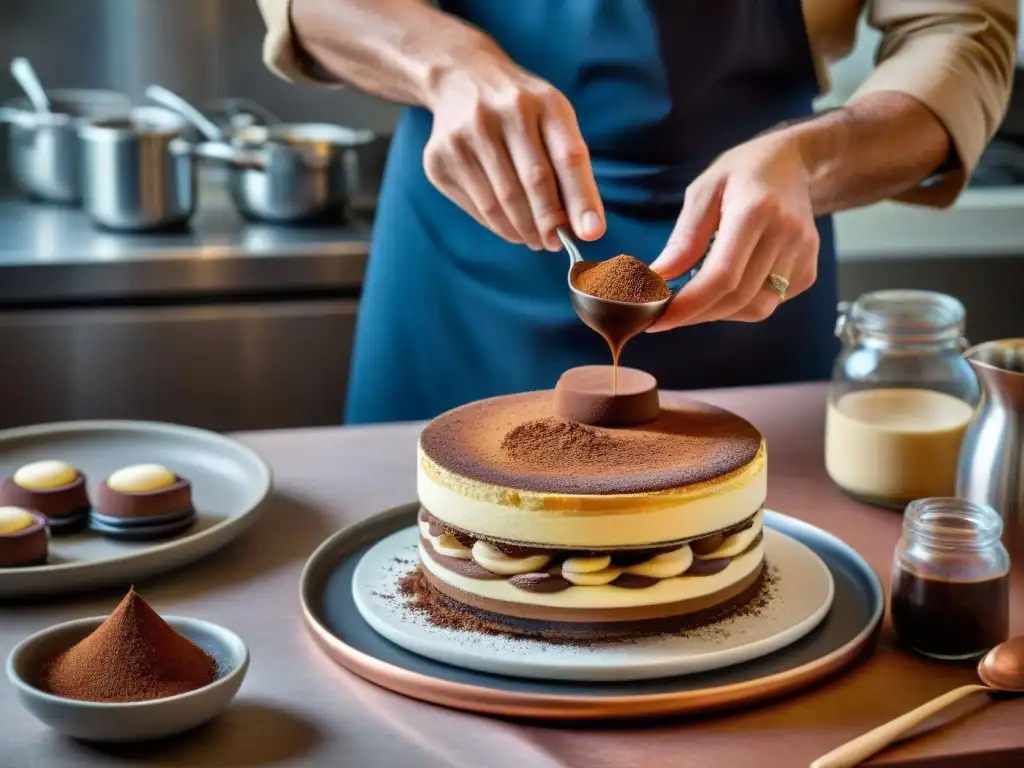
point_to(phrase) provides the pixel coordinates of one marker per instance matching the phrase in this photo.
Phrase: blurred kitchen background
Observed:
(237, 325)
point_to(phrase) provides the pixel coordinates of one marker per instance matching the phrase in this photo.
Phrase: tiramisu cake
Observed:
(539, 525)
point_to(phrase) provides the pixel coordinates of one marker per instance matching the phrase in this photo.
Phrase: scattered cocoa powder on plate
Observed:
(623, 278)
(442, 612)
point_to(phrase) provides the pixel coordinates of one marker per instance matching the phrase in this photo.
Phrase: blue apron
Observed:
(451, 313)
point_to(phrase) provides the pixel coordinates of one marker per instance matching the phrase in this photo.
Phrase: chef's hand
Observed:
(757, 198)
(507, 149)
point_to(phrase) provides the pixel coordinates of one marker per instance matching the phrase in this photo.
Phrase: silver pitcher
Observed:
(992, 452)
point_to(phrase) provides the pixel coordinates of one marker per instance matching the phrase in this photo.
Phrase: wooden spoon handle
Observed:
(853, 752)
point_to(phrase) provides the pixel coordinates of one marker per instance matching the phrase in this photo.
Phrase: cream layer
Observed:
(592, 521)
(669, 590)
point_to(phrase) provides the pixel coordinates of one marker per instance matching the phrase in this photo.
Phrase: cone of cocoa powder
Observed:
(132, 656)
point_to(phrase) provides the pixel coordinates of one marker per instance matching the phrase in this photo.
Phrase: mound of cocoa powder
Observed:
(555, 444)
(132, 656)
(623, 278)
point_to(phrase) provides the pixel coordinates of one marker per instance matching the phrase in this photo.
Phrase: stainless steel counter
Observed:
(50, 255)
(228, 325)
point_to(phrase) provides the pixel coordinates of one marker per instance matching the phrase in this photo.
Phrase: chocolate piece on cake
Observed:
(54, 489)
(598, 396)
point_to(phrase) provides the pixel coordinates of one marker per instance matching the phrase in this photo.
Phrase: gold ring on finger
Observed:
(778, 284)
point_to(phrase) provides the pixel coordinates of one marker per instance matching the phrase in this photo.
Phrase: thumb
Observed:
(691, 235)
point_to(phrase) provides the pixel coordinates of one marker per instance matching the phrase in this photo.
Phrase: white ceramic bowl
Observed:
(134, 721)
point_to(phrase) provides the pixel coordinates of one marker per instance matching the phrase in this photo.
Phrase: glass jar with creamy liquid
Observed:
(901, 397)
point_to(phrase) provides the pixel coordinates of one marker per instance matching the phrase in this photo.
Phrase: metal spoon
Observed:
(617, 321)
(25, 74)
(174, 102)
(1001, 670)
(217, 146)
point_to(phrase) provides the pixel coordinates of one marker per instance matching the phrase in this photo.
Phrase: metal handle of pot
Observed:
(243, 113)
(222, 152)
(23, 71)
(25, 119)
(173, 101)
(18, 117)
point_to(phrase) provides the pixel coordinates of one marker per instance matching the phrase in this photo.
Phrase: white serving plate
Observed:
(802, 596)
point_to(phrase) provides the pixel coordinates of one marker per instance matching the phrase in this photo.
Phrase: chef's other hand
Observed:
(507, 149)
(757, 198)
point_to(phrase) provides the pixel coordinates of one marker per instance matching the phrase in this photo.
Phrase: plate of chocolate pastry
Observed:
(575, 553)
(89, 503)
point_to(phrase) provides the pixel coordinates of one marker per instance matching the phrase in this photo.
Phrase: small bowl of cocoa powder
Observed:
(130, 676)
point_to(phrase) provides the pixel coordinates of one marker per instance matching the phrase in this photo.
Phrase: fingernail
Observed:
(659, 263)
(590, 223)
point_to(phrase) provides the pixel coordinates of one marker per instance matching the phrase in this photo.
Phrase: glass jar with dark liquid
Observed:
(950, 596)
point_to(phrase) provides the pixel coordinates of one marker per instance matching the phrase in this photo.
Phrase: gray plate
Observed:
(229, 482)
(326, 591)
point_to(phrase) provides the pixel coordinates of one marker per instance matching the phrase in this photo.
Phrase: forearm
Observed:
(875, 147)
(395, 49)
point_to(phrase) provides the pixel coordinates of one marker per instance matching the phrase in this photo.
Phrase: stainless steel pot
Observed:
(364, 160)
(304, 173)
(138, 172)
(307, 178)
(44, 149)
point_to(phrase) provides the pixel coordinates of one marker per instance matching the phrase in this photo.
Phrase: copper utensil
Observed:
(1000, 670)
(616, 321)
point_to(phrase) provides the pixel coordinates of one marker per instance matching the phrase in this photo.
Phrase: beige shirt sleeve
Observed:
(957, 57)
(281, 51)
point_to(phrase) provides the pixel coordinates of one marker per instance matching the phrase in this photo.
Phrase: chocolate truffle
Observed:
(54, 489)
(144, 501)
(23, 538)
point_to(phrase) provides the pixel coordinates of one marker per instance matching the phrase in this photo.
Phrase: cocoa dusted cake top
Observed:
(515, 441)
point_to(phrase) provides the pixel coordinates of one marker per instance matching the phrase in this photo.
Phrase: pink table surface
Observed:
(297, 709)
